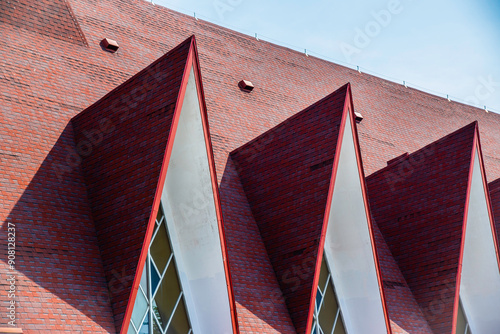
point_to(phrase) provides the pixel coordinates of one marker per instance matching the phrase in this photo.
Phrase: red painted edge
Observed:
(159, 189)
(326, 216)
(348, 111)
(215, 187)
(488, 197)
(367, 210)
(462, 243)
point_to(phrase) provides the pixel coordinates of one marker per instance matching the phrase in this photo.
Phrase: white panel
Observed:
(480, 283)
(192, 222)
(348, 248)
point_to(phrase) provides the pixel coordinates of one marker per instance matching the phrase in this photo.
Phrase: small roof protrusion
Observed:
(358, 117)
(109, 45)
(246, 85)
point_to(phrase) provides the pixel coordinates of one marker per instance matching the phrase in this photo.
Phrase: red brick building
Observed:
(161, 174)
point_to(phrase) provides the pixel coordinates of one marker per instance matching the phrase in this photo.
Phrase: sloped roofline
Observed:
(192, 62)
(424, 148)
(286, 121)
(347, 112)
(475, 147)
(494, 182)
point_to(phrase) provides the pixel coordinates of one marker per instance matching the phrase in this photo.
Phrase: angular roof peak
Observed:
(280, 173)
(122, 140)
(125, 141)
(419, 204)
(478, 291)
(287, 174)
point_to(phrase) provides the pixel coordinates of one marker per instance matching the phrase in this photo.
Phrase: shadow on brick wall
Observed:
(259, 301)
(61, 282)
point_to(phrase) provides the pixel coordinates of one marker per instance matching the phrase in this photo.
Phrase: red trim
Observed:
(326, 217)
(462, 243)
(367, 209)
(488, 198)
(215, 187)
(476, 146)
(192, 61)
(348, 110)
(159, 189)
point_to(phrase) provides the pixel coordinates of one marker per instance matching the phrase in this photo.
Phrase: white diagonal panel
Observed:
(349, 250)
(190, 210)
(480, 280)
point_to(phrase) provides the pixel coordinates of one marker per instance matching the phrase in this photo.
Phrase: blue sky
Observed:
(445, 47)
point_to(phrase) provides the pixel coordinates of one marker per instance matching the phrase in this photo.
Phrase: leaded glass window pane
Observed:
(144, 279)
(339, 327)
(160, 293)
(160, 215)
(145, 326)
(319, 299)
(462, 324)
(160, 248)
(180, 323)
(329, 308)
(327, 313)
(140, 309)
(167, 295)
(323, 274)
(155, 278)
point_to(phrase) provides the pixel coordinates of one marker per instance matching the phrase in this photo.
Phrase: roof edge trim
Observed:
(348, 111)
(159, 188)
(475, 148)
(191, 63)
(364, 191)
(287, 120)
(462, 242)
(326, 215)
(487, 195)
(215, 187)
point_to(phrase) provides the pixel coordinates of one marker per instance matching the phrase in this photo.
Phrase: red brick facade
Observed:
(75, 255)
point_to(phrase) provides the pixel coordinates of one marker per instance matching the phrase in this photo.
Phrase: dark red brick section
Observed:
(260, 302)
(405, 314)
(122, 140)
(286, 175)
(419, 205)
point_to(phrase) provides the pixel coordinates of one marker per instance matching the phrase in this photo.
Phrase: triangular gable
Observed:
(418, 202)
(287, 176)
(348, 238)
(479, 271)
(134, 129)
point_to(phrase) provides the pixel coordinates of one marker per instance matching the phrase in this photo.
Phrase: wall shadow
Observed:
(259, 300)
(61, 275)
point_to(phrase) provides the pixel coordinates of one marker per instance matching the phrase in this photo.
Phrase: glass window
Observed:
(327, 314)
(462, 324)
(159, 307)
